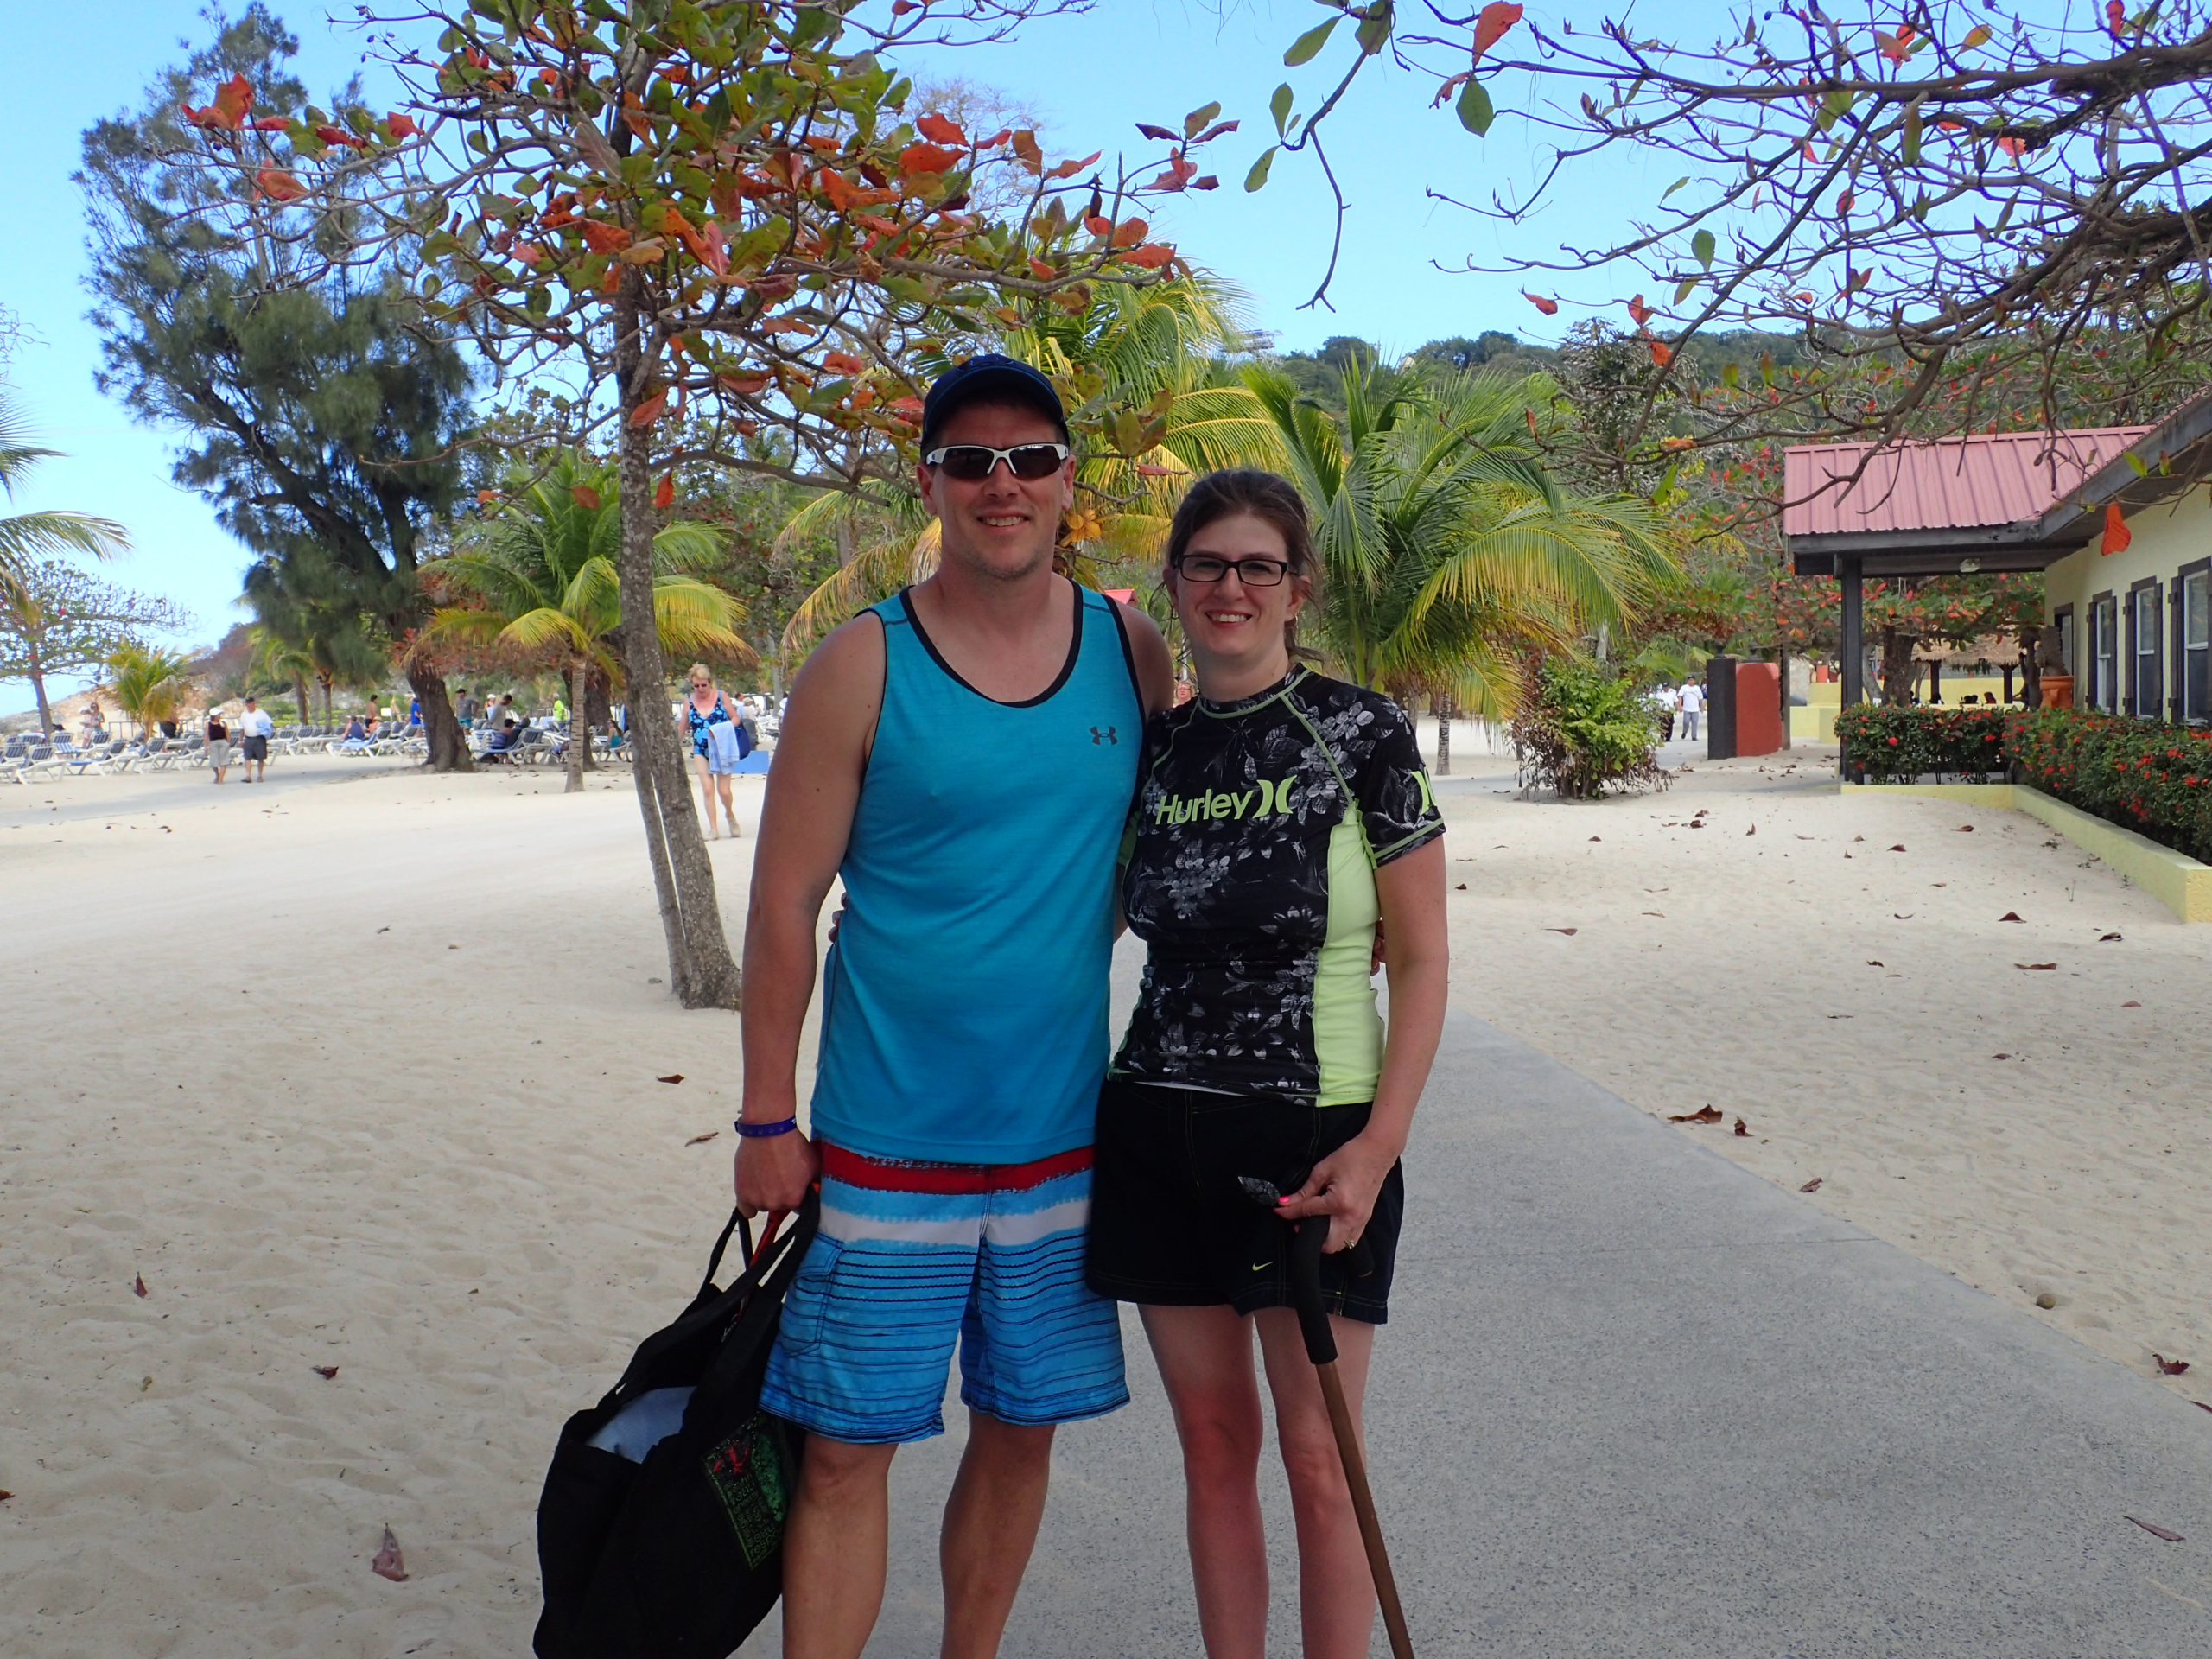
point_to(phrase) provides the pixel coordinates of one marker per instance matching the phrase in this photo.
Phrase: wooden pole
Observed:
(1362, 1505)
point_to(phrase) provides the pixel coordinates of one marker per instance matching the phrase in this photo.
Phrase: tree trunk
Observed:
(448, 745)
(700, 970)
(579, 731)
(1899, 674)
(1442, 704)
(45, 708)
(326, 704)
(300, 695)
(597, 712)
(1781, 668)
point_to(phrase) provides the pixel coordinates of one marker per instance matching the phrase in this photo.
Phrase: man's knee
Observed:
(838, 1471)
(1010, 1446)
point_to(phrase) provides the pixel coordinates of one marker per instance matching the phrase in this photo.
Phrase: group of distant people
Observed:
(255, 729)
(1682, 703)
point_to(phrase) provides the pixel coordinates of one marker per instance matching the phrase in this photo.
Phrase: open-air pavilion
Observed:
(2000, 501)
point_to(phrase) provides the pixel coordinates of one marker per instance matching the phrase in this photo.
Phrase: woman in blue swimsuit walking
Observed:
(706, 707)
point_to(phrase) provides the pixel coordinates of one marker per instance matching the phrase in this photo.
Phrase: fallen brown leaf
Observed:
(325, 1372)
(2199, 1404)
(2157, 1531)
(2037, 967)
(1966, 829)
(2000, 1056)
(1694, 823)
(1753, 831)
(1857, 838)
(673, 1076)
(2107, 938)
(1899, 847)
(5, 1494)
(138, 1285)
(1597, 837)
(2170, 1367)
(387, 1564)
(1802, 837)
(1661, 914)
(1903, 916)
(1706, 1115)
(1742, 1128)
(2010, 916)
(1871, 962)
(701, 1140)
(1569, 931)
(2131, 1005)
(1812, 1185)
(1462, 887)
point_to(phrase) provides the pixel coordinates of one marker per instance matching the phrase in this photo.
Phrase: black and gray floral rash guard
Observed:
(1250, 874)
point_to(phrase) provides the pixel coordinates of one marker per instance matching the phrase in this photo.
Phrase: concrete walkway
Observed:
(1636, 1402)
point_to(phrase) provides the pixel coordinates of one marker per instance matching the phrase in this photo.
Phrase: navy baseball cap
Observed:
(990, 377)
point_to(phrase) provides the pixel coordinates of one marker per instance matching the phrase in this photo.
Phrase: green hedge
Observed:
(1908, 743)
(2143, 775)
(2153, 778)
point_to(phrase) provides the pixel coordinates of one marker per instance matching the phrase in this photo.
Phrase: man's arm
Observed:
(1155, 667)
(814, 784)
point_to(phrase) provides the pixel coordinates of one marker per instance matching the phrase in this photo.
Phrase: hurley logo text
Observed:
(1256, 802)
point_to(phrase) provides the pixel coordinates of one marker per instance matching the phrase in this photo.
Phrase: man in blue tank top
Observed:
(963, 758)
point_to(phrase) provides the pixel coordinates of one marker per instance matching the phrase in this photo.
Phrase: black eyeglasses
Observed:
(973, 462)
(1253, 573)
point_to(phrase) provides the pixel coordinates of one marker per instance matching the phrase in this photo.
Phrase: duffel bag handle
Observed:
(737, 1224)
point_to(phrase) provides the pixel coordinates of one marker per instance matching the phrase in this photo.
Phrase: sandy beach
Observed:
(358, 1071)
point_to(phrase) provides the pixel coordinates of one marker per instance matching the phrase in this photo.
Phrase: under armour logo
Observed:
(1098, 737)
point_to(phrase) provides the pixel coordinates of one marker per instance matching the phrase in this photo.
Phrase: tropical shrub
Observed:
(2143, 775)
(1583, 730)
(1901, 744)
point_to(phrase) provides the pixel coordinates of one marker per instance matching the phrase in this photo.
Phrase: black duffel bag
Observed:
(660, 1531)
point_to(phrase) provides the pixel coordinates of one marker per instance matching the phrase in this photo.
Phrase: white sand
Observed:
(449, 1171)
(1852, 1011)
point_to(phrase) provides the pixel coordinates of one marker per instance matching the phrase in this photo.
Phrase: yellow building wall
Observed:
(2163, 538)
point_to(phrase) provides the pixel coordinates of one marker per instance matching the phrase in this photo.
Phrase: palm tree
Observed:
(150, 685)
(26, 535)
(1448, 550)
(280, 659)
(1157, 349)
(544, 579)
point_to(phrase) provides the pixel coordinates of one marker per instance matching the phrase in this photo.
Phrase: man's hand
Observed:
(773, 1173)
(1342, 1187)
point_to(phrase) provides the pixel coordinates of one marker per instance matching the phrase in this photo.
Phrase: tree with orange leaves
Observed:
(725, 207)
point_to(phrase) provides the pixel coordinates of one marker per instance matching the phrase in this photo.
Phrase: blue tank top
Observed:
(965, 1002)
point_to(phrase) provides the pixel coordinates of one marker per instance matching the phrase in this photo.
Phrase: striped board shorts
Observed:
(913, 1255)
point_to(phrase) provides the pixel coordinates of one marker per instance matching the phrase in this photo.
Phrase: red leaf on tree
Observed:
(938, 129)
(270, 124)
(1491, 22)
(1640, 311)
(1098, 225)
(1549, 307)
(2013, 147)
(232, 99)
(2115, 18)
(339, 136)
(650, 410)
(401, 126)
(748, 384)
(1042, 271)
(1164, 135)
(843, 363)
(277, 185)
(1129, 232)
(1069, 168)
(585, 497)
(917, 159)
(1152, 255)
(1661, 354)
(602, 238)
(664, 492)
(2117, 534)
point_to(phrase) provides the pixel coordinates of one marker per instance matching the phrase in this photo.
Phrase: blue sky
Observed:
(1091, 77)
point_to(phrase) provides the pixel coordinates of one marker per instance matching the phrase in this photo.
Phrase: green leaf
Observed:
(1195, 121)
(1675, 186)
(1684, 289)
(1730, 375)
(1304, 48)
(1279, 107)
(1701, 246)
(1258, 175)
(1375, 32)
(1910, 147)
(2135, 463)
(1473, 108)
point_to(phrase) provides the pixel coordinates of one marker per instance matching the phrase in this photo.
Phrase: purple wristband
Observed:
(761, 1131)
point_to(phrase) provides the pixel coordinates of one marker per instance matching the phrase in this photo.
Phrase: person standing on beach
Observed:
(255, 729)
(1692, 705)
(963, 755)
(219, 741)
(464, 710)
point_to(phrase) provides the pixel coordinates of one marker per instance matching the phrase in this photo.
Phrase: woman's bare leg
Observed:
(729, 812)
(706, 793)
(1204, 1356)
(1336, 1592)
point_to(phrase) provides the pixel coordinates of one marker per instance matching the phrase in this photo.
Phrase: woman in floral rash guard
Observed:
(1282, 819)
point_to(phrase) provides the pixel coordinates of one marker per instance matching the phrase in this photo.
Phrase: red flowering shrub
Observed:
(1903, 744)
(2153, 778)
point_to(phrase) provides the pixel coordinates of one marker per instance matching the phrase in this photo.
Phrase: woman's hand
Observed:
(1342, 1187)
(773, 1173)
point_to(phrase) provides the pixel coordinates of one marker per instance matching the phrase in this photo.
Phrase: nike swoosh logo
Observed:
(1258, 1267)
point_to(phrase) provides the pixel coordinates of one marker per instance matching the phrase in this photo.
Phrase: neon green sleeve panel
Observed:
(1347, 1025)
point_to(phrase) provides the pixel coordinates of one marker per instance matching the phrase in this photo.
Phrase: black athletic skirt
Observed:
(1170, 1225)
